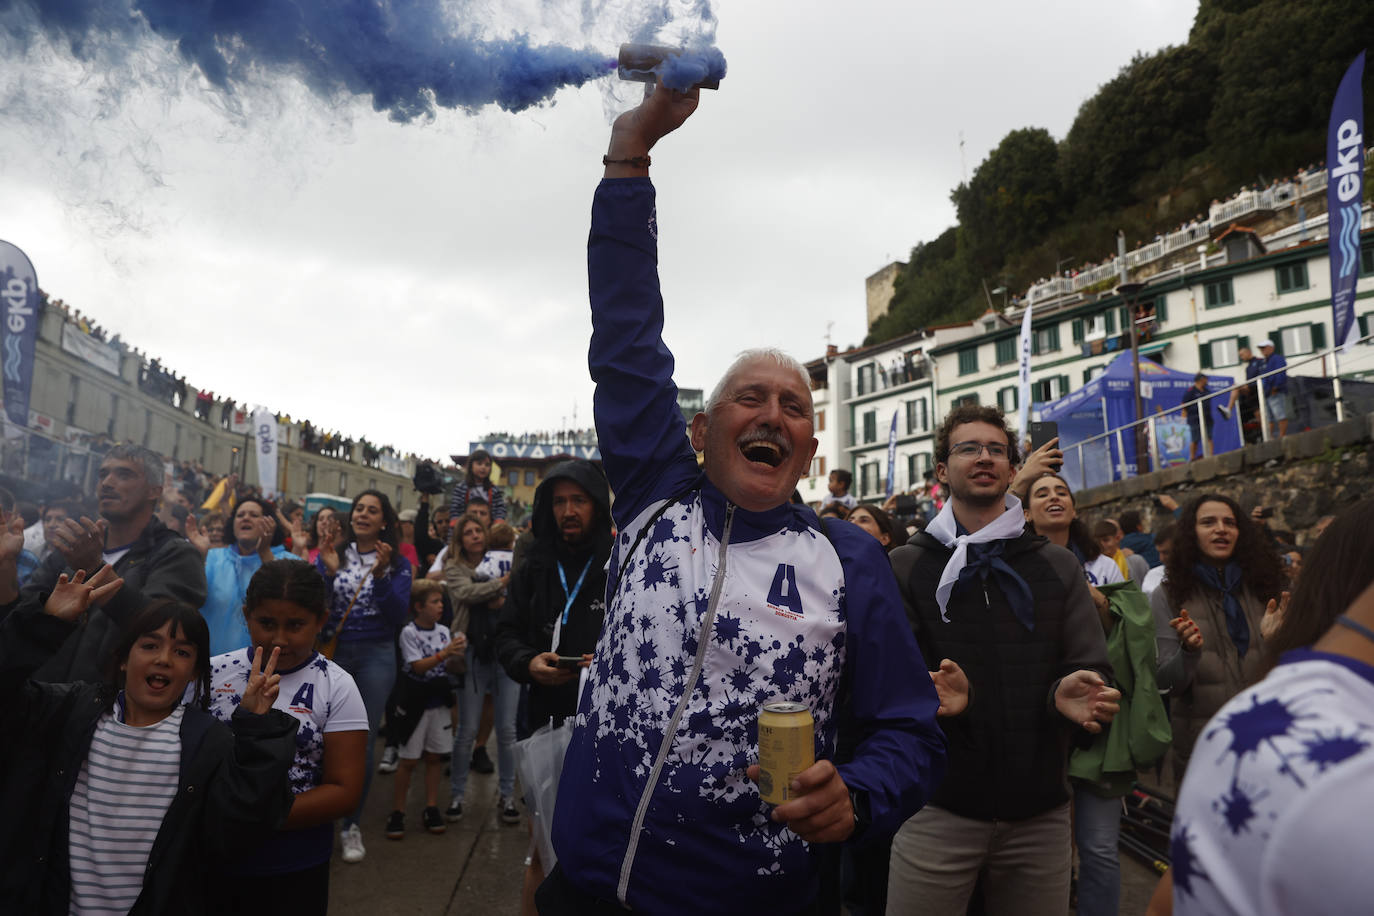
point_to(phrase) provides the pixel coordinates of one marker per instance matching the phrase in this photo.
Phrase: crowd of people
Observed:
(191, 710)
(579, 436)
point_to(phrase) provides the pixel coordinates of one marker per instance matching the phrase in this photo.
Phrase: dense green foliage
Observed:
(1245, 100)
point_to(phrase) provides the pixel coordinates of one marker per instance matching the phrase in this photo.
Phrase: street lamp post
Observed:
(1129, 293)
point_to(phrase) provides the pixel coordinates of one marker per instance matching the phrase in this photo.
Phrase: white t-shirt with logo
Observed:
(325, 699)
(1275, 812)
(417, 643)
(1102, 571)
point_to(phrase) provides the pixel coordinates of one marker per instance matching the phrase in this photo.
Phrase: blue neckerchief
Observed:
(1237, 627)
(986, 560)
(572, 595)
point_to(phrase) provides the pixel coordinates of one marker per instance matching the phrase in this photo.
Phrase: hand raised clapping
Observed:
(1274, 613)
(70, 598)
(1188, 632)
(383, 563)
(1085, 700)
(329, 544)
(951, 686)
(80, 541)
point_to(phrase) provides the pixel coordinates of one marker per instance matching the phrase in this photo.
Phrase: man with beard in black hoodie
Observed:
(556, 599)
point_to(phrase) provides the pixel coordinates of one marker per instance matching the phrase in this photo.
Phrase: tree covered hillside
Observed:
(1245, 100)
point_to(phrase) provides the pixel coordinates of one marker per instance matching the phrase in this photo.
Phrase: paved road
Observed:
(476, 867)
(473, 869)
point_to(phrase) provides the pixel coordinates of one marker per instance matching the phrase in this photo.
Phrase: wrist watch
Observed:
(858, 803)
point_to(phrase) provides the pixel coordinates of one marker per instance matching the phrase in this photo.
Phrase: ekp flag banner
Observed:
(1344, 195)
(265, 436)
(19, 332)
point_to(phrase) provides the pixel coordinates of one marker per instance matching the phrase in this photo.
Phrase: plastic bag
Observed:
(539, 763)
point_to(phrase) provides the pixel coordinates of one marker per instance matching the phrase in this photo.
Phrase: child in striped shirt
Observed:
(118, 798)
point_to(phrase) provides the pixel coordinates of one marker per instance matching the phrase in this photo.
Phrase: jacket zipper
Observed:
(671, 731)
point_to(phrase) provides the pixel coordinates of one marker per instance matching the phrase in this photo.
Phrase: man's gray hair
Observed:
(149, 460)
(770, 354)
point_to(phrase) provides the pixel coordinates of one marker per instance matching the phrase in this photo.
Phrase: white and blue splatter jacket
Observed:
(719, 610)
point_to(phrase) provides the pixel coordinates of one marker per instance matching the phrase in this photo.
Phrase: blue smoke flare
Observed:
(408, 56)
(692, 67)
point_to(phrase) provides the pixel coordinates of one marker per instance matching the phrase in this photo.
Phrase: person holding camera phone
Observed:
(552, 617)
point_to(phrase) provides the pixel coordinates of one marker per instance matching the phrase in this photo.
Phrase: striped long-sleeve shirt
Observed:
(122, 795)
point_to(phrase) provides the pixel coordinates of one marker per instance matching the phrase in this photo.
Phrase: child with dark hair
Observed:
(837, 487)
(285, 605)
(476, 484)
(118, 797)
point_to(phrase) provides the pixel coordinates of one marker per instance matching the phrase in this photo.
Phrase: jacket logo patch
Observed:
(783, 597)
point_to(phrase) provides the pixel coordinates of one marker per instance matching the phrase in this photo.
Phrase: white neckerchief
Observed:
(1010, 524)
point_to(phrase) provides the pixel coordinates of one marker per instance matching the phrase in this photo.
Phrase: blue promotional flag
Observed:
(19, 331)
(891, 453)
(1344, 194)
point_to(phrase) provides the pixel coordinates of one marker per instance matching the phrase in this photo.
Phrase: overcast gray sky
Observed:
(421, 284)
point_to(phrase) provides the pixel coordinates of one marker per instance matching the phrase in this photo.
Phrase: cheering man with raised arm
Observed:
(721, 596)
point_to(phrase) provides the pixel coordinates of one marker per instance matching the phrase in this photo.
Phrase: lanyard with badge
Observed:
(571, 596)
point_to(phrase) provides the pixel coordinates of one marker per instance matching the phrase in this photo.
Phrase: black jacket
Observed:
(535, 597)
(232, 792)
(1008, 752)
(160, 564)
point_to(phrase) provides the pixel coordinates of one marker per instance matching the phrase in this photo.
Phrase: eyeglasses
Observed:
(995, 450)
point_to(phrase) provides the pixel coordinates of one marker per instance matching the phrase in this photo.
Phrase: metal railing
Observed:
(1118, 434)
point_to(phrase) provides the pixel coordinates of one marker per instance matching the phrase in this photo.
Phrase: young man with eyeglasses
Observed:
(994, 604)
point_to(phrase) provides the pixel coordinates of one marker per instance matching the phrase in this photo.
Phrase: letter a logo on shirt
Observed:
(783, 594)
(305, 697)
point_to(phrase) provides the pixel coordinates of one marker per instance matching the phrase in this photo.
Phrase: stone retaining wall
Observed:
(1303, 477)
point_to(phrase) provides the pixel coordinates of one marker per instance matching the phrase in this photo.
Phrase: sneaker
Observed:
(388, 764)
(1225, 412)
(454, 812)
(481, 763)
(352, 840)
(396, 825)
(433, 820)
(509, 813)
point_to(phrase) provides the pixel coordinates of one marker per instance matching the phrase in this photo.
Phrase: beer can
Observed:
(787, 746)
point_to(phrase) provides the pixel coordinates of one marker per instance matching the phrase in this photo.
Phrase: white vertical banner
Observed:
(1023, 419)
(265, 440)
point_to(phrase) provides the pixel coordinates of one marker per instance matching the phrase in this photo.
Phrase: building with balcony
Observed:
(1194, 318)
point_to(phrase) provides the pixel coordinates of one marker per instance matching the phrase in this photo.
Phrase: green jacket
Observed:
(1140, 734)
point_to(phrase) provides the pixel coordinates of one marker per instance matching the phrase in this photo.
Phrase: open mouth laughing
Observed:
(764, 447)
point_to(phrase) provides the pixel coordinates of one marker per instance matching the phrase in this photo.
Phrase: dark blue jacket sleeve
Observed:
(392, 594)
(900, 757)
(639, 427)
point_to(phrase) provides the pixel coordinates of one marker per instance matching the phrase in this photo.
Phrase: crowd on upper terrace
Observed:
(162, 383)
(546, 437)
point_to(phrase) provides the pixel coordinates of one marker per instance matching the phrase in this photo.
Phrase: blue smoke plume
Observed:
(408, 56)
